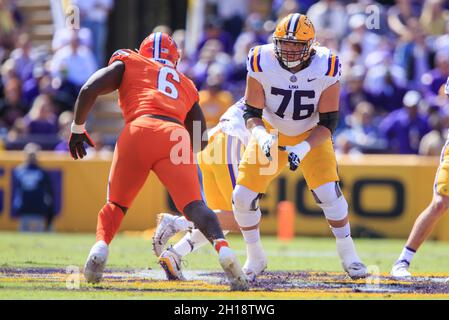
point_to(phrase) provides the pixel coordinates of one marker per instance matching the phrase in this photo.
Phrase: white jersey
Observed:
(291, 99)
(233, 124)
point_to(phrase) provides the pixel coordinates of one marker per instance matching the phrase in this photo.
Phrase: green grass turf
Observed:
(59, 250)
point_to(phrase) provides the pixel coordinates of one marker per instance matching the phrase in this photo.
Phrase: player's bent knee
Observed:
(331, 200)
(336, 210)
(244, 199)
(440, 204)
(245, 203)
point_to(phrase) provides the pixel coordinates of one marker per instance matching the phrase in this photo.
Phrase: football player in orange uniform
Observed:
(159, 105)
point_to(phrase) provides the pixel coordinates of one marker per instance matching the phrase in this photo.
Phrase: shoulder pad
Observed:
(121, 54)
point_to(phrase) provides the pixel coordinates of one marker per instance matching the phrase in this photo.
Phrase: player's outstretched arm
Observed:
(254, 105)
(101, 82)
(328, 113)
(196, 116)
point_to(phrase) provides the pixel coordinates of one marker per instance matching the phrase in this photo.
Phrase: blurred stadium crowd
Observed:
(395, 60)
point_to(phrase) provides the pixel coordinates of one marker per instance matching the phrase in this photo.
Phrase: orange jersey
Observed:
(150, 87)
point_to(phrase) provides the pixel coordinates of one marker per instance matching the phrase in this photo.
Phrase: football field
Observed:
(47, 266)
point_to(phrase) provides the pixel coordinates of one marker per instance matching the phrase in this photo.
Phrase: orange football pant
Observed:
(144, 145)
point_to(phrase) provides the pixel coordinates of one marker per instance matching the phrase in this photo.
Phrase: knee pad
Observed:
(330, 198)
(245, 204)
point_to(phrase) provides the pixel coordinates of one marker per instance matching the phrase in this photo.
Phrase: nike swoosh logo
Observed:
(310, 80)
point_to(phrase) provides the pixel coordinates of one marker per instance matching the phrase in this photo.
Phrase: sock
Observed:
(342, 232)
(219, 243)
(407, 254)
(182, 223)
(109, 220)
(191, 241)
(254, 251)
(251, 236)
(346, 250)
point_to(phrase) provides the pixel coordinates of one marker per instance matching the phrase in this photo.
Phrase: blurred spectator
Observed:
(432, 143)
(399, 14)
(233, 13)
(42, 118)
(385, 82)
(285, 8)
(434, 17)
(33, 197)
(24, 58)
(180, 38)
(64, 122)
(363, 133)
(63, 37)
(253, 32)
(11, 106)
(214, 30)
(405, 127)
(74, 63)
(212, 52)
(365, 40)
(434, 79)
(328, 14)
(352, 91)
(94, 16)
(214, 101)
(10, 21)
(414, 55)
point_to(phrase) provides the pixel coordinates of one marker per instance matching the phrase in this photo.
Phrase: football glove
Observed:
(296, 153)
(78, 137)
(264, 140)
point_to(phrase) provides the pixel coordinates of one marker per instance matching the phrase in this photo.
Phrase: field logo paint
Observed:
(373, 281)
(72, 281)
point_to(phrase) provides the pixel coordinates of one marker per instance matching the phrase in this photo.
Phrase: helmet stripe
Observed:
(293, 23)
(157, 45)
(295, 27)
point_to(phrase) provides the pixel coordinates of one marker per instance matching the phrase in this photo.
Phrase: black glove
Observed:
(293, 160)
(76, 144)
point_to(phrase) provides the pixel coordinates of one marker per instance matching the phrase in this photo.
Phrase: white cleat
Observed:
(400, 270)
(356, 270)
(166, 229)
(252, 268)
(170, 261)
(232, 269)
(96, 261)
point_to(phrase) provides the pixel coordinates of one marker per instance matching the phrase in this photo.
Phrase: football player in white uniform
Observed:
(293, 88)
(426, 221)
(218, 163)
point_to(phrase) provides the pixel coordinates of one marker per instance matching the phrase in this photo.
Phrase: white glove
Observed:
(264, 140)
(297, 153)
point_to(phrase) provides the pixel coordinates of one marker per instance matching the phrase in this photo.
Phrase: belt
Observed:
(161, 117)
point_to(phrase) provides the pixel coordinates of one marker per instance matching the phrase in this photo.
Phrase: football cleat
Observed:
(166, 229)
(232, 269)
(400, 269)
(356, 270)
(96, 261)
(170, 261)
(254, 267)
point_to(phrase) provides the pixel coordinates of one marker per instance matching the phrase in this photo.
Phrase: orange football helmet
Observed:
(295, 31)
(160, 47)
